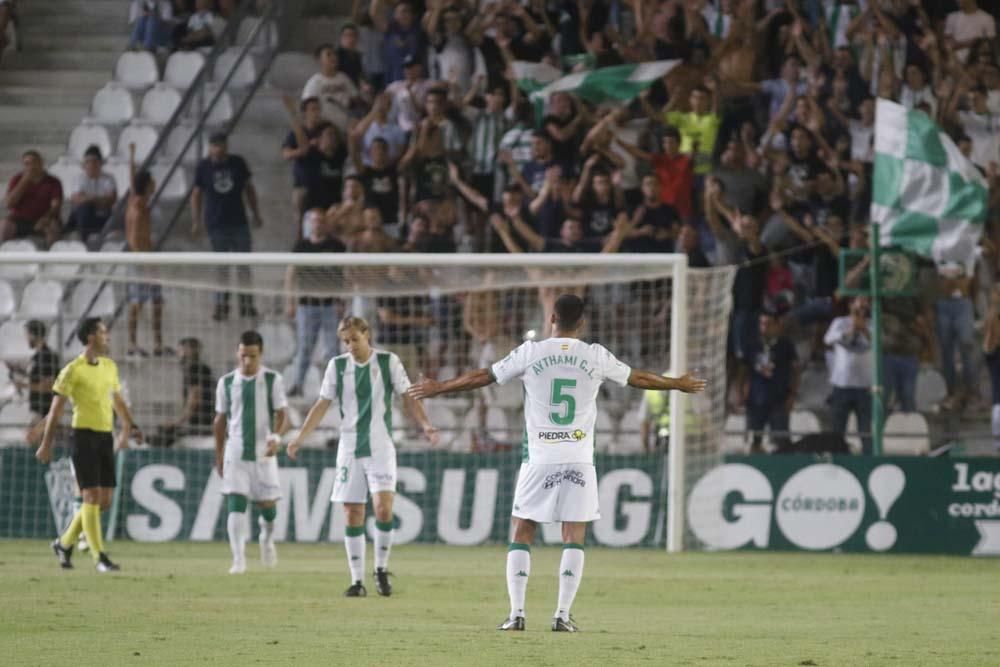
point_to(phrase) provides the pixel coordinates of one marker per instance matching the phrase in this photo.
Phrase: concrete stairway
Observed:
(69, 51)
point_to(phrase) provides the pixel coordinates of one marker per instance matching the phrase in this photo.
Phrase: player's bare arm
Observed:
(687, 383)
(315, 416)
(219, 431)
(128, 424)
(44, 451)
(281, 426)
(467, 382)
(416, 408)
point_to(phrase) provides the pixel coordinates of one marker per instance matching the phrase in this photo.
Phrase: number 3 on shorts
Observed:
(343, 473)
(561, 397)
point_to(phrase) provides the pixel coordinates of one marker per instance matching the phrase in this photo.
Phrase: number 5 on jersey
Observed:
(561, 398)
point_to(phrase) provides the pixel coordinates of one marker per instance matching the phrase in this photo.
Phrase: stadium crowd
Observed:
(417, 133)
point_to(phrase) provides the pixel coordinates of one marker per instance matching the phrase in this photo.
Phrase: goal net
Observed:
(442, 314)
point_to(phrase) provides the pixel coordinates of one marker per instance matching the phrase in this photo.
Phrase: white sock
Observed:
(570, 573)
(383, 546)
(266, 529)
(238, 526)
(518, 570)
(354, 545)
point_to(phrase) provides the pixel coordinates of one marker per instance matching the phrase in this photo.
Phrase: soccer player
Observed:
(557, 480)
(251, 413)
(91, 383)
(363, 382)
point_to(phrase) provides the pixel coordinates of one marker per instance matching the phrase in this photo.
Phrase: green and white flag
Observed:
(618, 84)
(927, 196)
(532, 77)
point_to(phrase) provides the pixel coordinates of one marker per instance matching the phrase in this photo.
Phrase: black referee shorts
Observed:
(93, 458)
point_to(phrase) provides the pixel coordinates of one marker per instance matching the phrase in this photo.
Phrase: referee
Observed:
(91, 382)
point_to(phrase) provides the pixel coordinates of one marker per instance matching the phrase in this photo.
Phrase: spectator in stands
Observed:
(850, 370)
(152, 22)
(93, 197)
(955, 324)
(409, 95)
(571, 238)
(403, 36)
(380, 179)
(773, 380)
(348, 57)
(7, 8)
(688, 243)
(673, 169)
(967, 25)
(197, 398)
(199, 31)
(321, 169)
(377, 124)
(38, 377)
(991, 348)
(221, 183)
(599, 201)
(436, 141)
(346, 219)
(452, 57)
(33, 200)
(139, 238)
(312, 314)
(906, 332)
(292, 150)
(698, 127)
(654, 224)
(334, 89)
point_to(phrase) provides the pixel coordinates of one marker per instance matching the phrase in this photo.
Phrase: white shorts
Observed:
(551, 492)
(356, 477)
(257, 480)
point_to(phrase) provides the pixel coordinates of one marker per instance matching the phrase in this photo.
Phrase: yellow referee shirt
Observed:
(89, 387)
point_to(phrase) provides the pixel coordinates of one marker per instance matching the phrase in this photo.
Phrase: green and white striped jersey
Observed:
(249, 404)
(364, 394)
(487, 131)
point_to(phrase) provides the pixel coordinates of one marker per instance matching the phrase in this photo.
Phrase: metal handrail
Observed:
(271, 13)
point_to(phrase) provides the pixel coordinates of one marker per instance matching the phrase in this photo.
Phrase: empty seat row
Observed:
(68, 170)
(137, 70)
(113, 105)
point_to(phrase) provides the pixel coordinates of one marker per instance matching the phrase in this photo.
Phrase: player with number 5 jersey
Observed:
(363, 382)
(557, 481)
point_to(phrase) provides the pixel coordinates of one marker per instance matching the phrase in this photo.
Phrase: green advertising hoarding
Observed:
(845, 503)
(813, 503)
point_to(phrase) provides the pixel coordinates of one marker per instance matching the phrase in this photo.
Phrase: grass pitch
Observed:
(174, 604)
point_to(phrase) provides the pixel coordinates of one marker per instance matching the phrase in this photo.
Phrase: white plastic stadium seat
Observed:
(119, 171)
(136, 70)
(159, 104)
(88, 134)
(15, 414)
(84, 294)
(7, 389)
(279, 341)
(176, 187)
(41, 300)
(905, 434)
(734, 437)
(245, 74)
(222, 112)
(64, 271)
(57, 340)
(143, 136)
(68, 171)
(178, 137)
(8, 301)
(182, 68)
(18, 271)
(15, 348)
(311, 385)
(931, 389)
(113, 105)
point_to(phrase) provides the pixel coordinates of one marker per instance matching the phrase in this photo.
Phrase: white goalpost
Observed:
(443, 314)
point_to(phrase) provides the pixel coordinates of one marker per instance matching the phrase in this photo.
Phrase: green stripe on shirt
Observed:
(363, 393)
(249, 420)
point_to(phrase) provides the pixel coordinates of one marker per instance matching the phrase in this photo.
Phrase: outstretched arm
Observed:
(471, 380)
(416, 408)
(687, 383)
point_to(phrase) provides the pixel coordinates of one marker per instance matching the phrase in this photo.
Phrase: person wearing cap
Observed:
(221, 183)
(93, 196)
(334, 89)
(403, 36)
(409, 95)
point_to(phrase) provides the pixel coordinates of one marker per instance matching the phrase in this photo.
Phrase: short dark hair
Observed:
(87, 329)
(35, 328)
(191, 342)
(440, 92)
(307, 101)
(318, 51)
(380, 140)
(568, 312)
(671, 132)
(142, 180)
(31, 152)
(251, 337)
(93, 151)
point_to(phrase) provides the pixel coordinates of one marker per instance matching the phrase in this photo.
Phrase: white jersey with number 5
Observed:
(561, 379)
